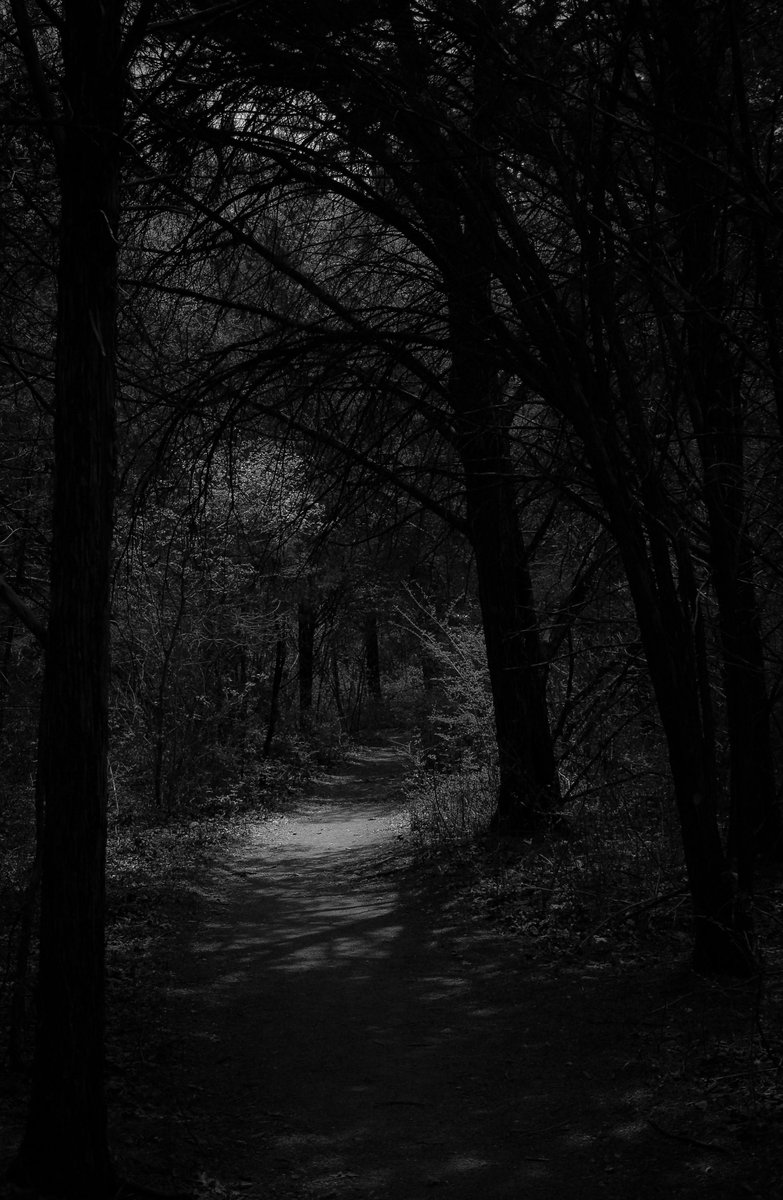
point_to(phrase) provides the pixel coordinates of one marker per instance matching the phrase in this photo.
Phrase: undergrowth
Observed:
(612, 897)
(619, 867)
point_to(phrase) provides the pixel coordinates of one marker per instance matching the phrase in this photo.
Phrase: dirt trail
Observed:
(340, 1037)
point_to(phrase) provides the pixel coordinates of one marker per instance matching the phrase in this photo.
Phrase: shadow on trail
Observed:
(342, 1041)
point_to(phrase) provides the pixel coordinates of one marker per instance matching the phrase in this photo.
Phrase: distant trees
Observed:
(205, 551)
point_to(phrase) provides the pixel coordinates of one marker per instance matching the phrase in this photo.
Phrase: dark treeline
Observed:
(330, 339)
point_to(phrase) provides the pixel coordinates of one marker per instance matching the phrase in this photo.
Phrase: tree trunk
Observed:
(670, 631)
(755, 817)
(306, 624)
(277, 683)
(695, 97)
(65, 1145)
(529, 784)
(337, 690)
(372, 655)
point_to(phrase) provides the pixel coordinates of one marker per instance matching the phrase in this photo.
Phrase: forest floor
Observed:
(332, 1023)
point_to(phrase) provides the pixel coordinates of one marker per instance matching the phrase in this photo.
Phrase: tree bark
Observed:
(65, 1143)
(669, 631)
(306, 623)
(529, 785)
(372, 655)
(277, 683)
(695, 97)
(337, 689)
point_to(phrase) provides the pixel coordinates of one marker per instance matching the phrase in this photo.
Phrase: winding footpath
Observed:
(341, 1036)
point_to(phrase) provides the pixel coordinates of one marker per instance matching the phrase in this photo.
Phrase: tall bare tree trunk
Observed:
(306, 624)
(65, 1144)
(277, 684)
(529, 786)
(670, 631)
(529, 783)
(372, 655)
(697, 94)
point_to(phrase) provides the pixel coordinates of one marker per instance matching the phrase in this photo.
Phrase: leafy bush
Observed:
(458, 730)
